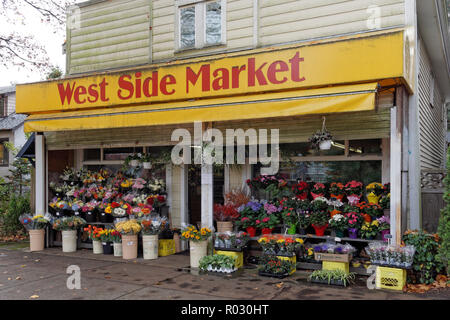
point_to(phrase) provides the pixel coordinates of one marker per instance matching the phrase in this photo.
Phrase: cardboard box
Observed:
(332, 257)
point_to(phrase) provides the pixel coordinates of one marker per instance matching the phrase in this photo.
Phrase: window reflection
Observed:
(187, 27)
(213, 22)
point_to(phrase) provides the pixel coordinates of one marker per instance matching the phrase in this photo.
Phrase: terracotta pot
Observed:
(129, 246)
(37, 239)
(198, 249)
(251, 231)
(224, 226)
(266, 231)
(320, 230)
(150, 246)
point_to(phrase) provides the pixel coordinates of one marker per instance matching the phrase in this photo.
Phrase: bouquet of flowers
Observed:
(139, 184)
(116, 236)
(68, 223)
(300, 190)
(225, 212)
(157, 186)
(156, 201)
(193, 234)
(36, 222)
(128, 227)
(152, 226)
(93, 232)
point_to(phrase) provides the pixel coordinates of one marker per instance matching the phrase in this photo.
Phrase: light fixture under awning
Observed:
(350, 98)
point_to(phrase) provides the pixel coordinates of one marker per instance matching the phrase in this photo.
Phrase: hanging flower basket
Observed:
(321, 139)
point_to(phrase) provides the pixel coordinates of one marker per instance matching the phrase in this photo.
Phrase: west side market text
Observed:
(205, 78)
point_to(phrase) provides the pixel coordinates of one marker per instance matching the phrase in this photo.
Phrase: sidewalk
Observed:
(43, 275)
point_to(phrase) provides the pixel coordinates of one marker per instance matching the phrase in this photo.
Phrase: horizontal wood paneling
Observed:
(111, 34)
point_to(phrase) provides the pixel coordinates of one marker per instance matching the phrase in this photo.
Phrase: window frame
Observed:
(200, 24)
(6, 152)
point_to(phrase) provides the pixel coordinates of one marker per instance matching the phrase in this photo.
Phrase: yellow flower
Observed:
(299, 240)
(203, 232)
(197, 237)
(280, 241)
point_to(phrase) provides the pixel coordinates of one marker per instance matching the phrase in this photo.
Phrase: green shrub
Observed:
(13, 208)
(444, 221)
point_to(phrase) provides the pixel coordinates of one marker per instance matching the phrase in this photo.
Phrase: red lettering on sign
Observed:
(154, 80)
(255, 73)
(192, 77)
(125, 85)
(274, 68)
(66, 93)
(222, 82)
(295, 68)
(166, 81)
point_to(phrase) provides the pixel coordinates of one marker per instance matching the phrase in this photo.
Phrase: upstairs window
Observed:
(3, 106)
(200, 23)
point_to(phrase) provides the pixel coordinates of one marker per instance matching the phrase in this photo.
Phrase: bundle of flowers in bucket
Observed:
(225, 215)
(198, 242)
(218, 263)
(107, 239)
(35, 226)
(117, 242)
(68, 226)
(94, 235)
(129, 230)
(231, 241)
(151, 228)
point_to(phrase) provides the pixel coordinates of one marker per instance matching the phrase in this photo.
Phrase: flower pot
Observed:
(320, 230)
(340, 233)
(316, 195)
(292, 229)
(266, 231)
(353, 199)
(372, 198)
(150, 246)
(251, 231)
(106, 218)
(97, 247)
(129, 246)
(198, 249)
(353, 233)
(384, 233)
(224, 226)
(69, 240)
(325, 145)
(337, 196)
(117, 249)
(147, 165)
(367, 218)
(107, 248)
(91, 217)
(134, 163)
(37, 239)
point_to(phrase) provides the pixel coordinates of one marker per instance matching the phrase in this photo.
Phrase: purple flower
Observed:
(338, 250)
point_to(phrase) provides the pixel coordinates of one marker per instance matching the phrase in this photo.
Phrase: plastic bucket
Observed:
(197, 251)
(117, 249)
(129, 246)
(97, 247)
(150, 246)
(37, 240)
(107, 247)
(69, 240)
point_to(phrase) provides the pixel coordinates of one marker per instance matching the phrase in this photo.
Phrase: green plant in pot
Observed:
(319, 221)
(337, 277)
(339, 224)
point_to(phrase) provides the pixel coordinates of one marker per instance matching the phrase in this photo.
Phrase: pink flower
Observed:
(266, 219)
(258, 222)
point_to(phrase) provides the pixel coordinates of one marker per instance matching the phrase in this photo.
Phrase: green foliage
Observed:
(444, 221)
(217, 261)
(55, 73)
(426, 264)
(275, 265)
(11, 211)
(333, 275)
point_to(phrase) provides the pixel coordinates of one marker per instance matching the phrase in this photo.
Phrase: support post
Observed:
(396, 175)
(184, 198)
(40, 190)
(207, 180)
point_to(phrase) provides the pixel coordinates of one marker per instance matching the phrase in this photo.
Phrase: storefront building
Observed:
(137, 70)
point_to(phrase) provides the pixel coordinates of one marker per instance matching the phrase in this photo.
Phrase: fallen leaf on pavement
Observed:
(18, 278)
(9, 278)
(23, 266)
(107, 277)
(279, 285)
(34, 296)
(37, 260)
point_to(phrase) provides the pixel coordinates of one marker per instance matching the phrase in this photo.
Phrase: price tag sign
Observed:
(337, 239)
(388, 236)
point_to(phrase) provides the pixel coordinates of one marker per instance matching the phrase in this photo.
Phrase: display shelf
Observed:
(311, 236)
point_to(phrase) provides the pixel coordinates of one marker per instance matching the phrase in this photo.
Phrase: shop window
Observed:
(4, 154)
(200, 23)
(369, 146)
(92, 154)
(119, 153)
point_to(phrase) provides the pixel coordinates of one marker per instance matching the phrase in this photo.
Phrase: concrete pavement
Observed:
(42, 275)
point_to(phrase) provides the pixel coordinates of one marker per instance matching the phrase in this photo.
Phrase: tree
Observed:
(23, 50)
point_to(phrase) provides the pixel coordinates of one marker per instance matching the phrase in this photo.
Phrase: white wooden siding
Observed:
(11, 103)
(111, 34)
(432, 132)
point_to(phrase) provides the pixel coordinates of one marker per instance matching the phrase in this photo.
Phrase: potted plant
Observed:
(354, 222)
(249, 213)
(145, 159)
(272, 266)
(369, 230)
(384, 226)
(106, 237)
(321, 140)
(117, 242)
(373, 210)
(300, 190)
(267, 222)
(35, 225)
(374, 192)
(218, 263)
(94, 234)
(353, 190)
(338, 223)
(337, 191)
(133, 159)
(290, 219)
(319, 221)
(151, 227)
(198, 243)
(129, 230)
(224, 216)
(318, 190)
(333, 277)
(68, 226)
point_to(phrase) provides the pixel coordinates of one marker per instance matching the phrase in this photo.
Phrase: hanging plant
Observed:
(321, 139)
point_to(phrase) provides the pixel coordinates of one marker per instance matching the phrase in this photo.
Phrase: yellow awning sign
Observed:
(349, 98)
(344, 61)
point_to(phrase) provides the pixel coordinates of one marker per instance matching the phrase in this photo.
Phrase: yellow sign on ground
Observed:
(344, 61)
